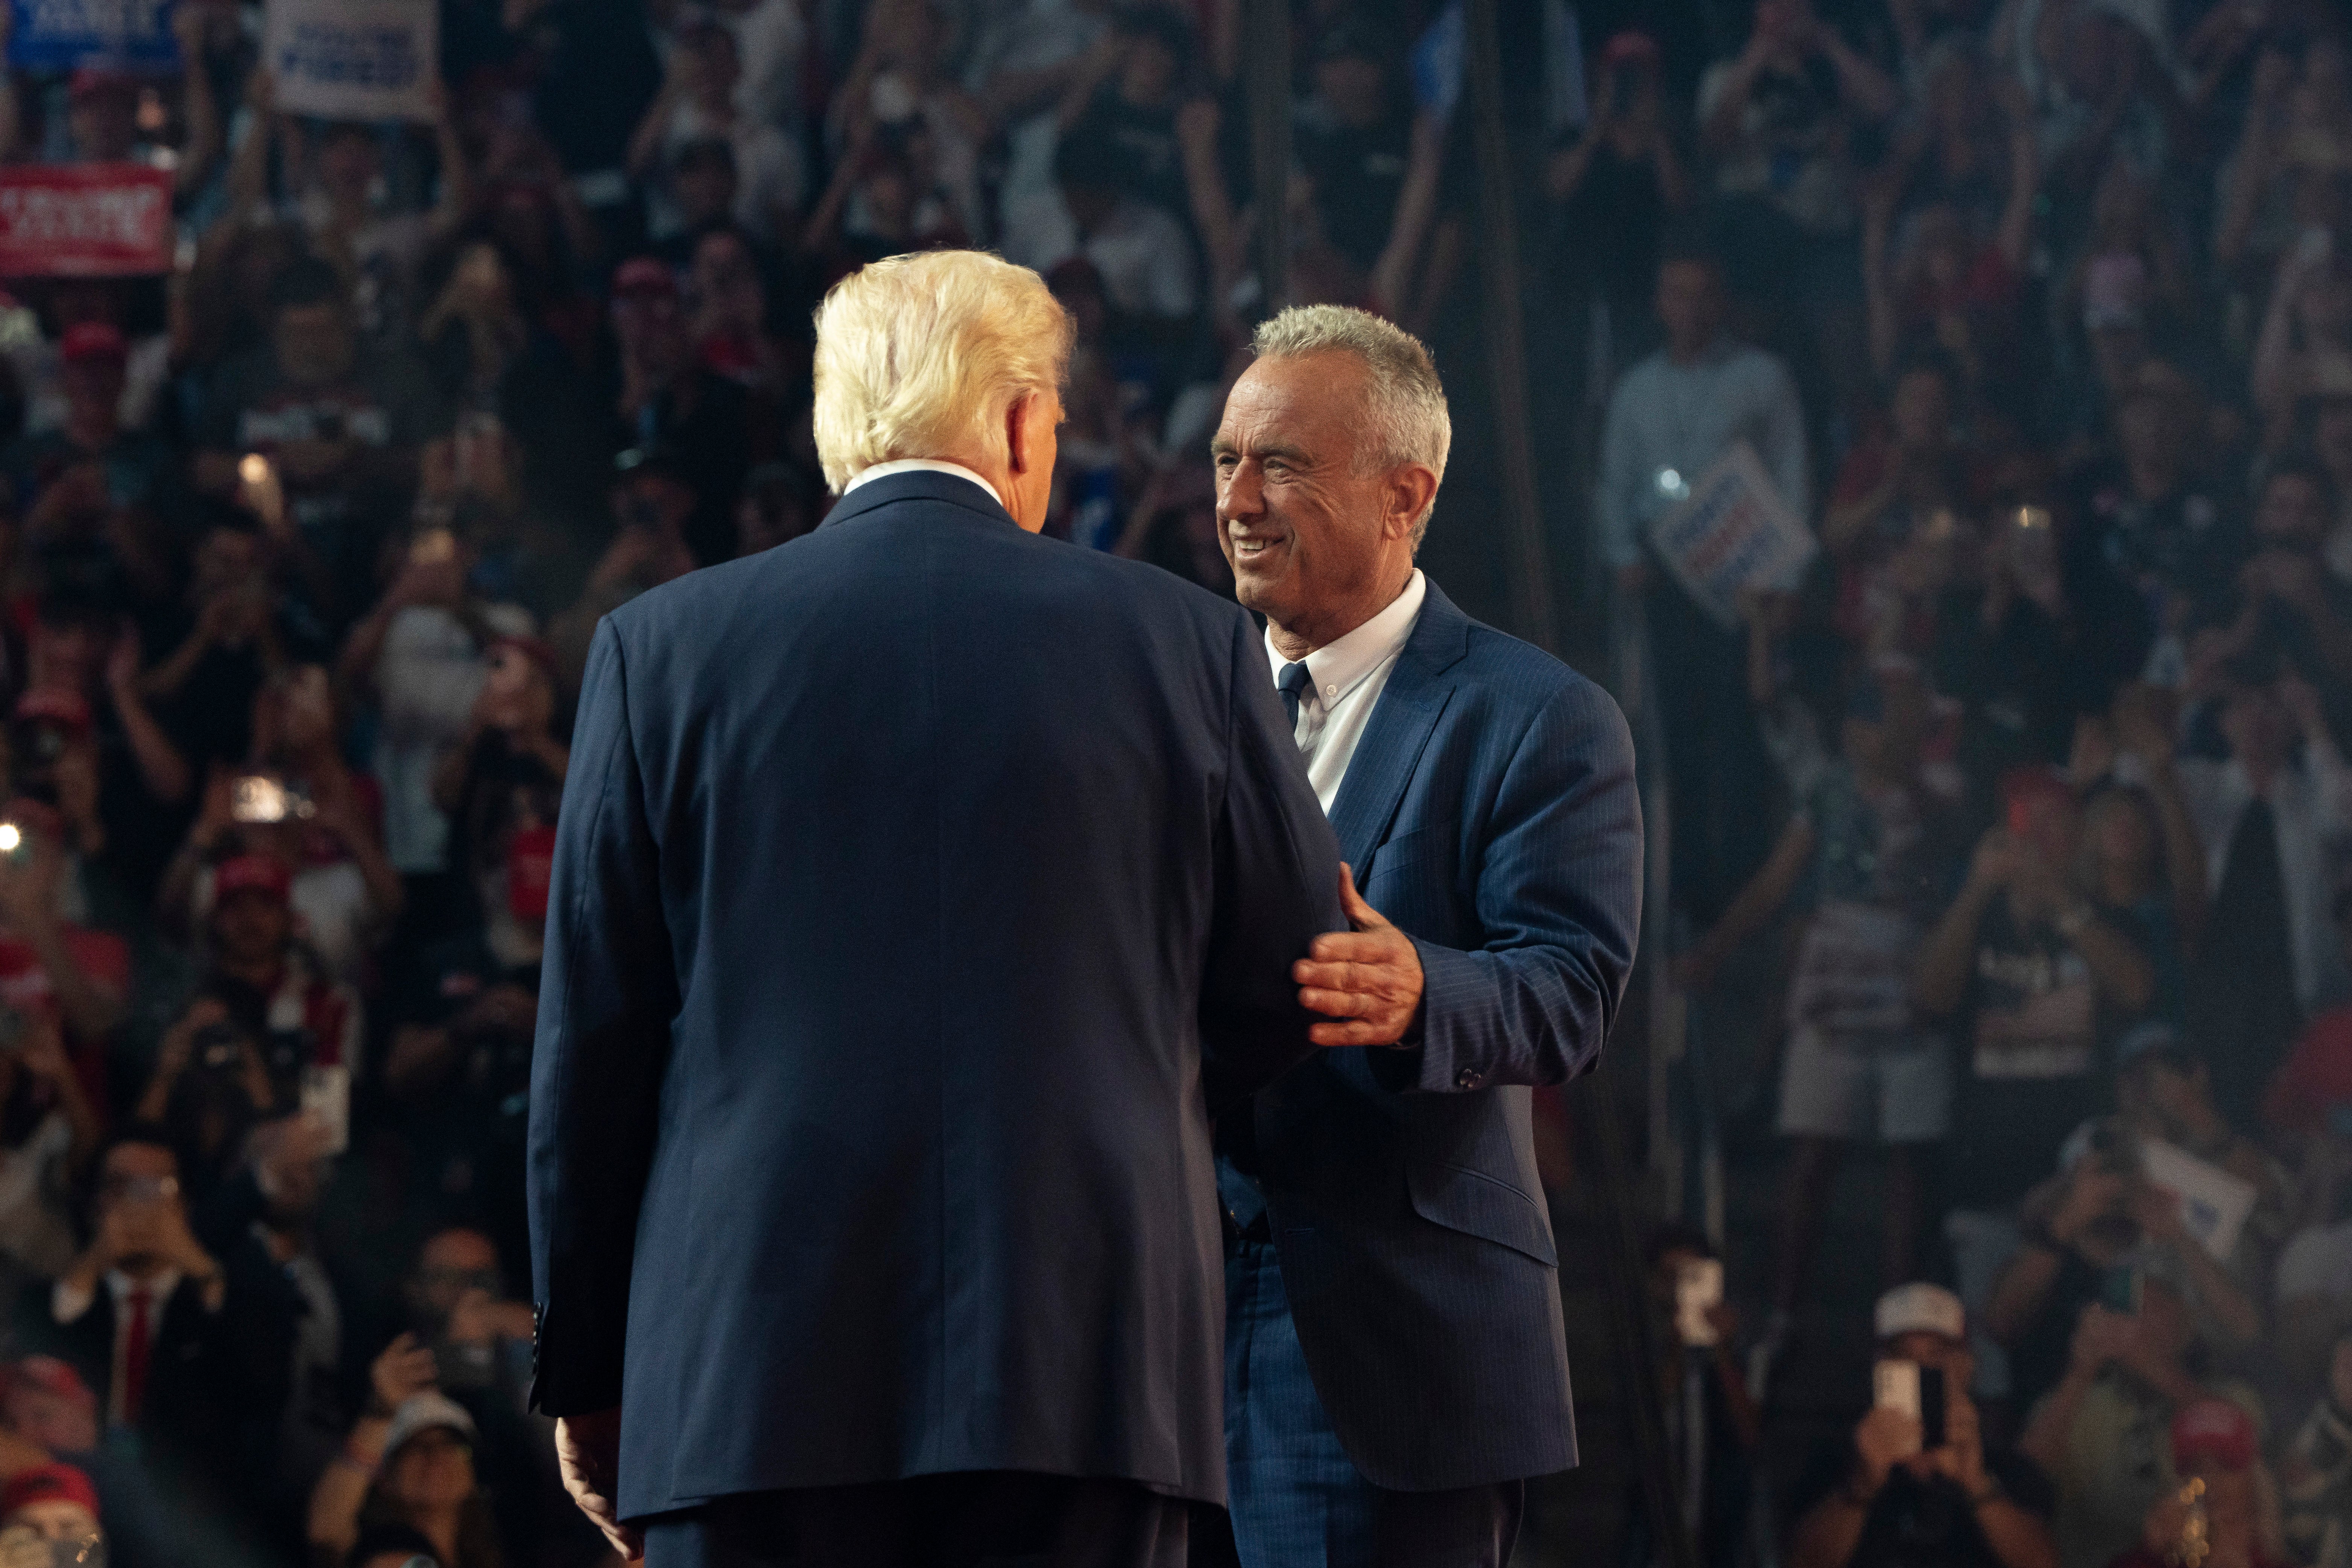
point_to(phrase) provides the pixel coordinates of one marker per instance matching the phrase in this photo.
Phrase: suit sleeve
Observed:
(608, 993)
(1277, 889)
(1559, 897)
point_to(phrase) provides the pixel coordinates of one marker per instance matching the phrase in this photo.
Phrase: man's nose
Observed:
(1242, 493)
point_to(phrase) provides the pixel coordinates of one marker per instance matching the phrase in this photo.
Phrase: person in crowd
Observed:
(697, 105)
(1354, 138)
(2100, 1435)
(2316, 1472)
(142, 1314)
(2314, 1082)
(1897, 1494)
(2036, 983)
(1710, 1418)
(1618, 187)
(2227, 1508)
(1868, 842)
(667, 399)
(408, 1461)
(92, 495)
(423, 654)
(337, 424)
(263, 1031)
(2267, 815)
(655, 495)
(51, 1502)
(1671, 418)
(2102, 1208)
(49, 1135)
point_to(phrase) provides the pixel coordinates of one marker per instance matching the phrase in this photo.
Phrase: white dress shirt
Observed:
(921, 466)
(1349, 674)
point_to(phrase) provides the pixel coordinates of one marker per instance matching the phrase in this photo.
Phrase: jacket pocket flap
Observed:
(1475, 1204)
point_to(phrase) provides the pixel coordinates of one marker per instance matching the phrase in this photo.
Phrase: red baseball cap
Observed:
(51, 1376)
(93, 340)
(47, 1483)
(56, 705)
(2212, 1430)
(252, 874)
(644, 275)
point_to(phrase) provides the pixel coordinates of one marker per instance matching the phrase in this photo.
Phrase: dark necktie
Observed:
(1296, 683)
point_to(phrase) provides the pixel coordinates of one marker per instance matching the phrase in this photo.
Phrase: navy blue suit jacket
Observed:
(920, 885)
(1490, 811)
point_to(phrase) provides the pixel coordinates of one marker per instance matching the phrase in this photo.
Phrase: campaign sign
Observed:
(1732, 532)
(354, 59)
(85, 220)
(121, 35)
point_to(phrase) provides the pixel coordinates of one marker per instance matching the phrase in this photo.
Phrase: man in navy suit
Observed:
(922, 886)
(1395, 1364)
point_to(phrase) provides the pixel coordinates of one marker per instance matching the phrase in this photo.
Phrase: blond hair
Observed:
(1405, 413)
(920, 355)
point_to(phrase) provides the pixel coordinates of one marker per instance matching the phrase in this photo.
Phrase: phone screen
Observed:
(1931, 1406)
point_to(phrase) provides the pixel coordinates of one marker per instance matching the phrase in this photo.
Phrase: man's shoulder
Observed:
(1513, 675)
(699, 604)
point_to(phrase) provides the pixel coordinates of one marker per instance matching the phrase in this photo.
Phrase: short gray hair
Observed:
(1405, 401)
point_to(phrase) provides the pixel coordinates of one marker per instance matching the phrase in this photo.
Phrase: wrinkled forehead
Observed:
(1311, 404)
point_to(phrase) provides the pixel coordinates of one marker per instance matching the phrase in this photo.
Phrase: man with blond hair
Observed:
(1396, 1362)
(921, 888)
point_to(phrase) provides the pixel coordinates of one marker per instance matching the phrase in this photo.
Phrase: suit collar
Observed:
(919, 485)
(1417, 692)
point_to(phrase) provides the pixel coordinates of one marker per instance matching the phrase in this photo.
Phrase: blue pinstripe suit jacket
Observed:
(1490, 811)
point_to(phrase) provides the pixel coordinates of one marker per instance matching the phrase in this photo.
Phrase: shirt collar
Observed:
(921, 466)
(159, 1290)
(1340, 666)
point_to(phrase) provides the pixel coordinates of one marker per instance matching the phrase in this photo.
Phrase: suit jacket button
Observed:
(1468, 1077)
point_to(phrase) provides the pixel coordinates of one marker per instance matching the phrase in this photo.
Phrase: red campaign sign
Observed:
(85, 220)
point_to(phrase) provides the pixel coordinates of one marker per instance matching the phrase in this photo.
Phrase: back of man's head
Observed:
(921, 356)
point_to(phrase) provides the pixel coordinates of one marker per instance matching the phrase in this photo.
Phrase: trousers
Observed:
(1297, 1500)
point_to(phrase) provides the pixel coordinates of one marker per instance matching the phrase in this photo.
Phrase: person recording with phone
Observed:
(655, 498)
(266, 1032)
(2100, 1211)
(1919, 1484)
(422, 654)
(298, 803)
(48, 1133)
(1712, 1422)
(140, 1315)
(2138, 1359)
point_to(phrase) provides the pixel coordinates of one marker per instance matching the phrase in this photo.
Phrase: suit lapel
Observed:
(1417, 691)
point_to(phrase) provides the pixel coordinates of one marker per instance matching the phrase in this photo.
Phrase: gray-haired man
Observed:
(1394, 1361)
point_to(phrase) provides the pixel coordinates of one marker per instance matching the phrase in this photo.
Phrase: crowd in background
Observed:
(2024, 812)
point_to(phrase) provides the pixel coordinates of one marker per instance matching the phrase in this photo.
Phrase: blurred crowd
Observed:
(2023, 811)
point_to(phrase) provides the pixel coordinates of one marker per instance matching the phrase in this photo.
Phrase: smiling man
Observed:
(1394, 1360)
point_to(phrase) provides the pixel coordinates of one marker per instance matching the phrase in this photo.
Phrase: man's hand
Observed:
(1884, 1439)
(403, 1368)
(1369, 976)
(588, 1447)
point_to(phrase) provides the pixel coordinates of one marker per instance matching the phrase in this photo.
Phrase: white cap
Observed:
(1921, 1308)
(422, 1412)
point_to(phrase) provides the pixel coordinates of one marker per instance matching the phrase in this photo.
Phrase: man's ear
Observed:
(1410, 490)
(1018, 458)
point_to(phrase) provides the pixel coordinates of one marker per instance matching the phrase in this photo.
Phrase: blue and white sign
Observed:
(354, 59)
(116, 35)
